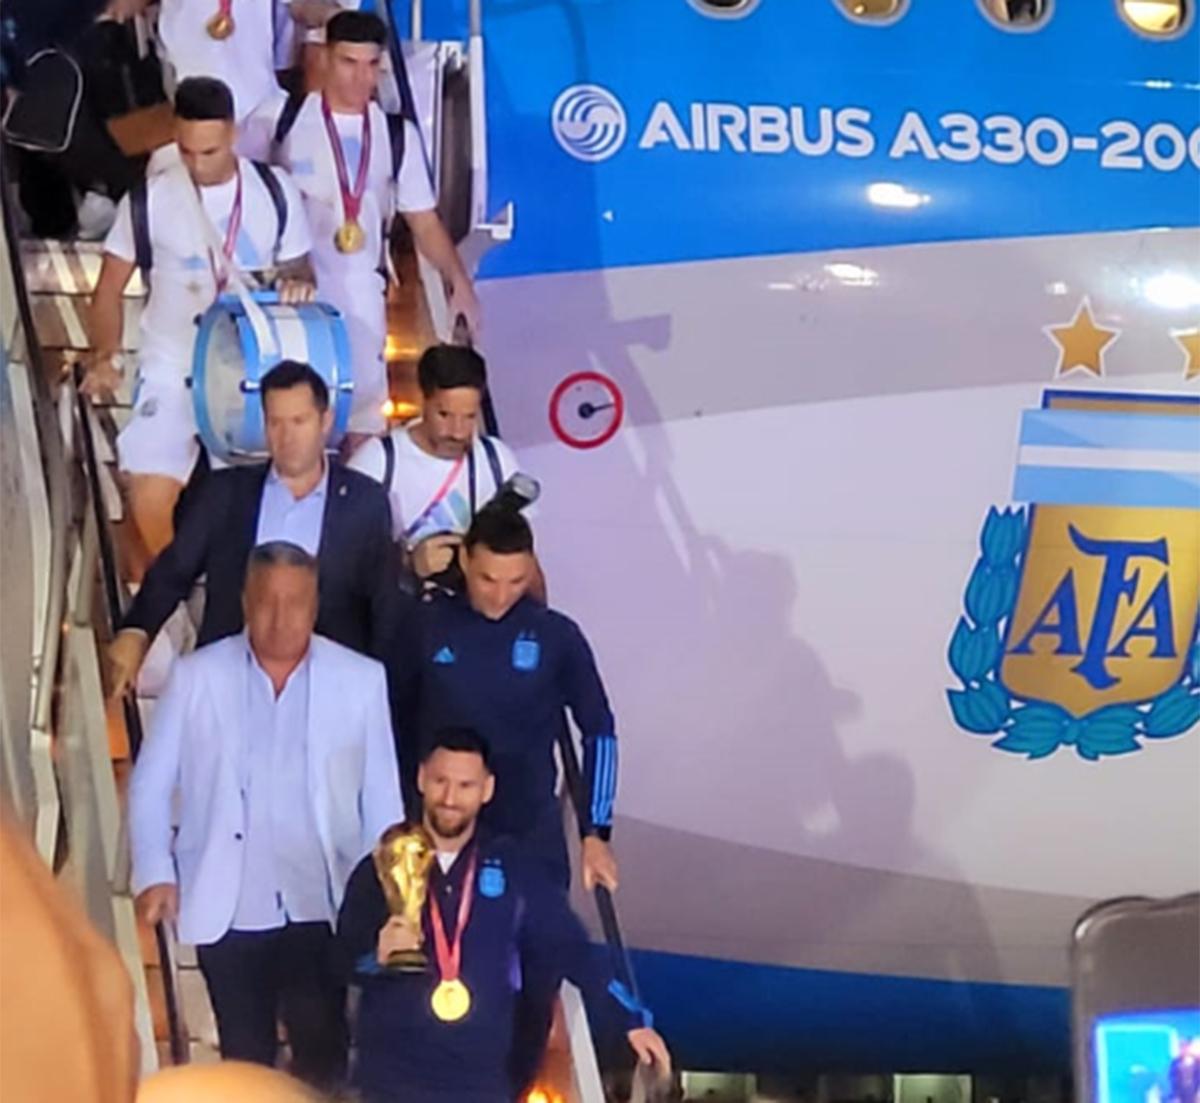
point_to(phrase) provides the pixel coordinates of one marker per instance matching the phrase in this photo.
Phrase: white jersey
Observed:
(182, 280)
(245, 60)
(423, 501)
(307, 153)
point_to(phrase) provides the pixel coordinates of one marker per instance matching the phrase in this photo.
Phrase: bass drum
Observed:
(229, 362)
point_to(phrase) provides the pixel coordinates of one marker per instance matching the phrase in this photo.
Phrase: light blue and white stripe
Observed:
(1075, 457)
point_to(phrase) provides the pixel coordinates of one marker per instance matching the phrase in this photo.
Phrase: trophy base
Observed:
(408, 961)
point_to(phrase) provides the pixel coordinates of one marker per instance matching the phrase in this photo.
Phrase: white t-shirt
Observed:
(245, 60)
(182, 284)
(308, 155)
(417, 478)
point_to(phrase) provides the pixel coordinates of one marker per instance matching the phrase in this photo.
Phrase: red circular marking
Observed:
(618, 409)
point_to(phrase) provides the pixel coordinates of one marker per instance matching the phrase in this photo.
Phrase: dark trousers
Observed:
(255, 978)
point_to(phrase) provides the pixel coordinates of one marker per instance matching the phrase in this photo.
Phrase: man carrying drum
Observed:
(189, 229)
(337, 145)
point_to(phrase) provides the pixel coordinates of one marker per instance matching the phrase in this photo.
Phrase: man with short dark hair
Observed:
(496, 660)
(273, 749)
(303, 496)
(441, 469)
(337, 145)
(493, 925)
(210, 214)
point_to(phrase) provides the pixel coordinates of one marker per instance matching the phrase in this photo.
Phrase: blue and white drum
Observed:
(230, 360)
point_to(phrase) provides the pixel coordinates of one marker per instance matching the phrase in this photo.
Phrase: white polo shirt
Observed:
(182, 284)
(308, 155)
(245, 60)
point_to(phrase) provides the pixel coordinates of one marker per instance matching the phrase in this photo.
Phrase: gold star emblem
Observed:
(1189, 340)
(1081, 342)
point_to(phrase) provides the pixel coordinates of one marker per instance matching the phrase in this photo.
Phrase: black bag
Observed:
(118, 77)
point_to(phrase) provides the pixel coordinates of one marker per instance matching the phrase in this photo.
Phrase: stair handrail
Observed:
(115, 599)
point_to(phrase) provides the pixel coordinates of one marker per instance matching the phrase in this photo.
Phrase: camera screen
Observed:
(1148, 1057)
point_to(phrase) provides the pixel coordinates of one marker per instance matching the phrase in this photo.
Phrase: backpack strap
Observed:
(408, 107)
(278, 200)
(493, 458)
(395, 128)
(287, 117)
(139, 212)
(389, 461)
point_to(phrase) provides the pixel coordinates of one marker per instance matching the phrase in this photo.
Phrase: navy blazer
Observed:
(215, 532)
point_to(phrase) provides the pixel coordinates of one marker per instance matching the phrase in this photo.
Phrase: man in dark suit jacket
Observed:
(301, 496)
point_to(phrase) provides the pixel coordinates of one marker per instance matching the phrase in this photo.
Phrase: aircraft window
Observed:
(724, 9)
(872, 10)
(1017, 14)
(1160, 18)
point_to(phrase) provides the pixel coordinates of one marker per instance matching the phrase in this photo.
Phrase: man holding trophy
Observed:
(443, 923)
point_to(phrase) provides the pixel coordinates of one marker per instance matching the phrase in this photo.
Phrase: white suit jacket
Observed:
(197, 748)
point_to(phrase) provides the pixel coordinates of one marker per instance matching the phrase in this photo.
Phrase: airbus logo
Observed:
(589, 122)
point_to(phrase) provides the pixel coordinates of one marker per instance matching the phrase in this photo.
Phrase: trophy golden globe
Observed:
(403, 857)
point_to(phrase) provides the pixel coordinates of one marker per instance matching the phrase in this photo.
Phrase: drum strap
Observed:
(143, 250)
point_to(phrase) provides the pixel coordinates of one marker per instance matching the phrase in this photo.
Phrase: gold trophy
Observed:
(403, 857)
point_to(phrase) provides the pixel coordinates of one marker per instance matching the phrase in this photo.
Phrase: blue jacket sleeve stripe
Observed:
(604, 779)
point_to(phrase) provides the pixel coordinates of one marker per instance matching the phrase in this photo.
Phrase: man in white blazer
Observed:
(275, 747)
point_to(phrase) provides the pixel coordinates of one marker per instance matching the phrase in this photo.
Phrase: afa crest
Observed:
(1082, 614)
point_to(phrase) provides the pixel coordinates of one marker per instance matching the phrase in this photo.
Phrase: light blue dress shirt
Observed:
(296, 520)
(283, 869)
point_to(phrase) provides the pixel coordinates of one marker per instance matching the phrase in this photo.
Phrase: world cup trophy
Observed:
(403, 857)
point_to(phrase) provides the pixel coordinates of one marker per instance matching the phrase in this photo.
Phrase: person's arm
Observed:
(152, 788)
(585, 697)
(381, 802)
(361, 917)
(174, 572)
(554, 946)
(107, 319)
(434, 244)
(313, 13)
(380, 575)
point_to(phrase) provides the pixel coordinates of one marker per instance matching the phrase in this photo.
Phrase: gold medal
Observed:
(349, 237)
(451, 1000)
(220, 26)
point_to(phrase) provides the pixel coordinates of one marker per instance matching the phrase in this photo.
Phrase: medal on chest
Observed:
(350, 237)
(221, 268)
(221, 25)
(451, 999)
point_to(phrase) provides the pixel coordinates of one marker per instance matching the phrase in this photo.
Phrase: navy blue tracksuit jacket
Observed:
(511, 680)
(521, 934)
